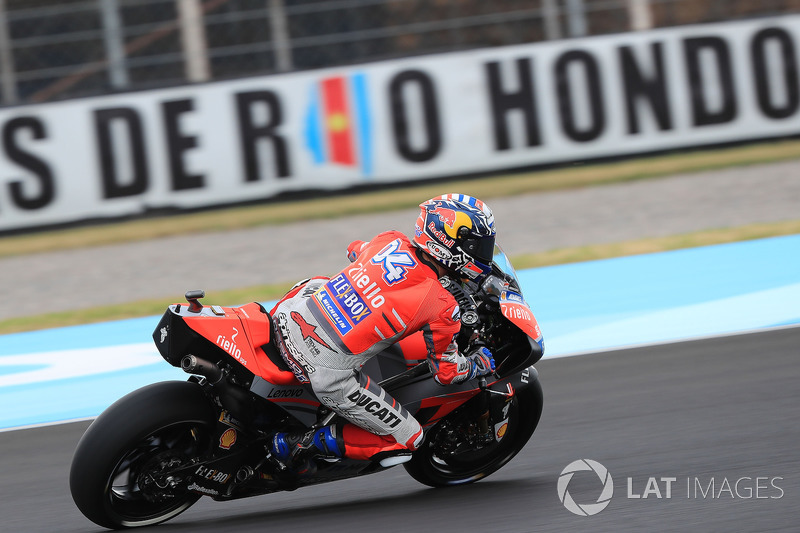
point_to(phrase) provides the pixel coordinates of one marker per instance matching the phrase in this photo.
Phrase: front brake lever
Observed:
(484, 387)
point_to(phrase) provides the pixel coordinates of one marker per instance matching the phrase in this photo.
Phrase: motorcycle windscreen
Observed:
(515, 309)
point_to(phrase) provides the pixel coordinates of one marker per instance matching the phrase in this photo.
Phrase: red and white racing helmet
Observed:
(457, 231)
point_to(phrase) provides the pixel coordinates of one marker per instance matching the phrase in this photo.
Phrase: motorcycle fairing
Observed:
(242, 333)
(518, 312)
(298, 399)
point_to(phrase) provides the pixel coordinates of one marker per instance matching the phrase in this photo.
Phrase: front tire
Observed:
(159, 426)
(435, 469)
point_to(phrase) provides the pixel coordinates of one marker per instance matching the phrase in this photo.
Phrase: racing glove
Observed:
(481, 361)
(355, 248)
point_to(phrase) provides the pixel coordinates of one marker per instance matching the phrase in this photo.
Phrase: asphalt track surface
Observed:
(722, 409)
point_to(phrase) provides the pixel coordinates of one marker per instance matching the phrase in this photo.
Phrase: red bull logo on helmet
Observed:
(451, 219)
(448, 216)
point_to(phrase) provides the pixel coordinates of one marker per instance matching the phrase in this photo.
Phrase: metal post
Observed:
(193, 38)
(550, 15)
(114, 39)
(576, 13)
(8, 78)
(281, 43)
(640, 15)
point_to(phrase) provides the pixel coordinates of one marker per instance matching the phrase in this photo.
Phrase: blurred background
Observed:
(52, 49)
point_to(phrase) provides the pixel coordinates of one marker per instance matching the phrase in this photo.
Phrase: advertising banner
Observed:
(396, 121)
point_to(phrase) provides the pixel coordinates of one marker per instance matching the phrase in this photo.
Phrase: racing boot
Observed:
(297, 449)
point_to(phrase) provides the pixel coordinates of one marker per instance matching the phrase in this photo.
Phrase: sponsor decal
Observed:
(212, 475)
(291, 355)
(197, 488)
(520, 311)
(308, 331)
(227, 439)
(330, 308)
(344, 305)
(285, 393)
(448, 216)
(678, 87)
(511, 296)
(369, 289)
(338, 126)
(350, 301)
(451, 219)
(164, 332)
(472, 270)
(231, 347)
(395, 264)
(376, 409)
(226, 418)
(500, 429)
(508, 401)
(444, 239)
(437, 250)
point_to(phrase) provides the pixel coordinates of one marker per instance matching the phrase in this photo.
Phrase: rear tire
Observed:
(168, 422)
(429, 468)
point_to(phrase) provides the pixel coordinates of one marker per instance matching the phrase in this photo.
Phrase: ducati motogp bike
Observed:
(156, 451)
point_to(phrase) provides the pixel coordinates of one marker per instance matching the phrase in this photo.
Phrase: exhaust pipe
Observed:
(194, 365)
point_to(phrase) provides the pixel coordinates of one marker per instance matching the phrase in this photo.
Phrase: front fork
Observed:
(492, 410)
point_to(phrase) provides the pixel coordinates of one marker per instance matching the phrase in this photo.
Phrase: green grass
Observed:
(270, 292)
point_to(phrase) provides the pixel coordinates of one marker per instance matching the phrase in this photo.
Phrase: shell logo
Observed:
(227, 439)
(501, 431)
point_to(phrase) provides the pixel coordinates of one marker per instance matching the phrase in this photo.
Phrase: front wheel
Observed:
(438, 464)
(115, 479)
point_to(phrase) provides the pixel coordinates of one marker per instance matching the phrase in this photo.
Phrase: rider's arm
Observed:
(452, 367)
(355, 249)
(447, 364)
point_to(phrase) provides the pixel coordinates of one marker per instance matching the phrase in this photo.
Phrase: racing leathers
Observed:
(329, 327)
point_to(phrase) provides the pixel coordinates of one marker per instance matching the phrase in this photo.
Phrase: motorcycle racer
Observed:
(327, 328)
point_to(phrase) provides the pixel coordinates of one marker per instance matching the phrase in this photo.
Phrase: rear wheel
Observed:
(117, 477)
(443, 460)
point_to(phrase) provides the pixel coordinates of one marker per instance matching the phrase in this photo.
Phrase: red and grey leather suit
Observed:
(331, 326)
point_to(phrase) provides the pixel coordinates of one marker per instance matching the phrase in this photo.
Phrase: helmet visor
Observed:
(481, 249)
